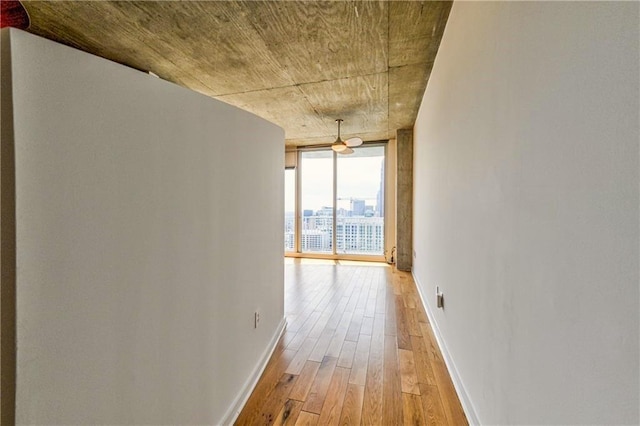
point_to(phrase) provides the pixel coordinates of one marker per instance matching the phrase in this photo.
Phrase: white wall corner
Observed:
(465, 400)
(241, 399)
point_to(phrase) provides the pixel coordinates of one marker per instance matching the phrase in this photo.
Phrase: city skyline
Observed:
(359, 206)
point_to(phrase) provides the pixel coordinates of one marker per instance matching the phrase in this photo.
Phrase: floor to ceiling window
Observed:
(360, 202)
(341, 207)
(289, 210)
(316, 204)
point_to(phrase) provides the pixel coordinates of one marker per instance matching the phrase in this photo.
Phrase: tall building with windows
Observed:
(357, 207)
(380, 197)
(360, 235)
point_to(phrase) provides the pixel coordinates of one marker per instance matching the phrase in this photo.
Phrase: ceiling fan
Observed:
(344, 147)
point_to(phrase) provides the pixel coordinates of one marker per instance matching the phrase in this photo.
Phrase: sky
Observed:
(358, 177)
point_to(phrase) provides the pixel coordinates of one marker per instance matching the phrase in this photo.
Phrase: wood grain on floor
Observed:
(358, 349)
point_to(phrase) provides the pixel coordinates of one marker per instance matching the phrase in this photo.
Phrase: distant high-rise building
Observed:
(289, 231)
(343, 212)
(357, 207)
(325, 211)
(380, 197)
(316, 240)
(360, 235)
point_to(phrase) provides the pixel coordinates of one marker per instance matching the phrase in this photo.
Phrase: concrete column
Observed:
(404, 204)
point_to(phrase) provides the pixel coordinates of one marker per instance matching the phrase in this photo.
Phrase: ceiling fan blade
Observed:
(353, 142)
(346, 151)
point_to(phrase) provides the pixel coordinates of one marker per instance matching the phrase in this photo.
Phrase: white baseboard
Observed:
(238, 403)
(467, 406)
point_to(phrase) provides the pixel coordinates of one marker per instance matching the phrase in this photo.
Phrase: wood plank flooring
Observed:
(358, 349)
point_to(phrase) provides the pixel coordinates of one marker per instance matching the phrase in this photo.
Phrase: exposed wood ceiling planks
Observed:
(297, 64)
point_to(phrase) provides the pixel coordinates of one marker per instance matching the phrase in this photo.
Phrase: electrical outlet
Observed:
(439, 298)
(256, 319)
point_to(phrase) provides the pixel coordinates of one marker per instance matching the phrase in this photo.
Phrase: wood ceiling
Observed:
(298, 64)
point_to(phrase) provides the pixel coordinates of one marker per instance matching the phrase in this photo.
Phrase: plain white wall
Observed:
(149, 229)
(526, 208)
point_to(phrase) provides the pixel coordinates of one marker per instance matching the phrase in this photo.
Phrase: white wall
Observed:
(526, 208)
(149, 229)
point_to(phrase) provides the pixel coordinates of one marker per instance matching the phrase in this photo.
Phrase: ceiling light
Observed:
(344, 147)
(339, 146)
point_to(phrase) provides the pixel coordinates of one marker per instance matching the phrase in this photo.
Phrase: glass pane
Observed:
(316, 180)
(289, 209)
(360, 209)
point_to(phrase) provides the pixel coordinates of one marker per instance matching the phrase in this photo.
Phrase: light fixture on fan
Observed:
(344, 147)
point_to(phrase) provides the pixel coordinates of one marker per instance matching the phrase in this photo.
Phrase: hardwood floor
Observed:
(358, 349)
